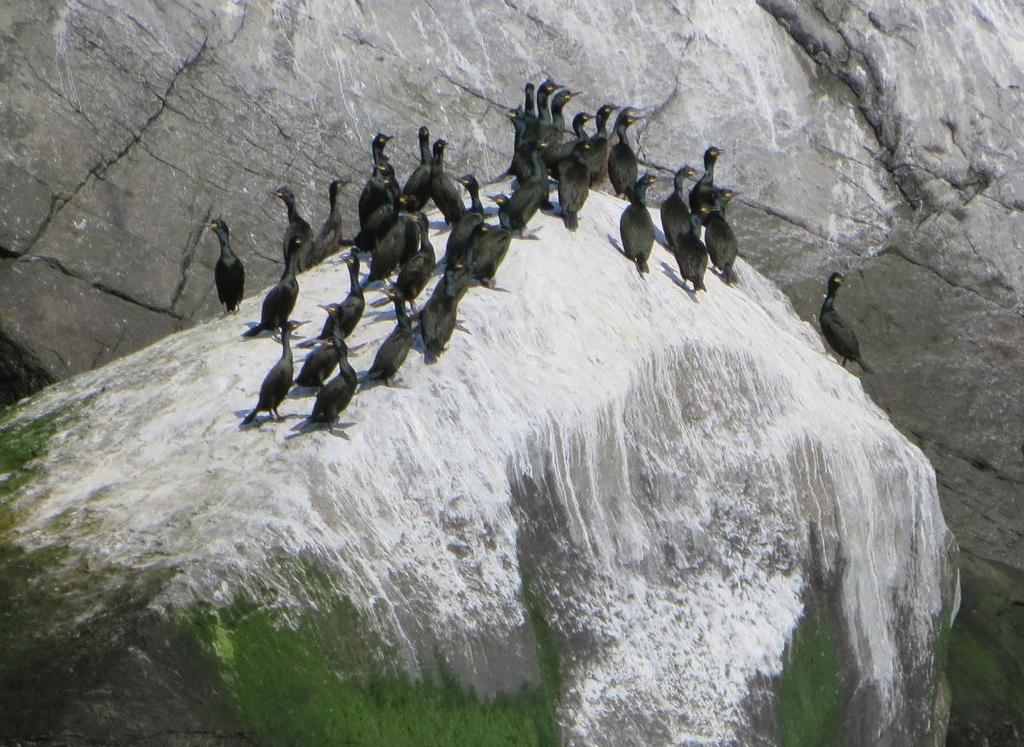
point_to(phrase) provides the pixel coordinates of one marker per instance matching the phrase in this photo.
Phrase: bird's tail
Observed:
(571, 220)
(249, 418)
(698, 284)
(863, 364)
(728, 275)
(641, 266)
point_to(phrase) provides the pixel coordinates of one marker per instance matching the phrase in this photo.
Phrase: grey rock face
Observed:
(879, 139)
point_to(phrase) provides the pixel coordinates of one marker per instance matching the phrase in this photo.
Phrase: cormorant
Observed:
(415, 273)
(574, 183)
(393, 246)
(636, 227)
(461, 232)
(521, 148)
(622, 164)
(276, 383)
(321, 361)
(597, 161)
(838, 335)
(442, 188)
(418, 185)
(336, 394)
(229, 274)
(703, 192)
(529, 107)
(555, 154)
(328, 241)
(556, 132)
(675, 215)
(377, 147)
(530, 195)
(280, 300)
(719, 237)
(547, 88)
(487, 250)
(374, 194)
(297, 226)
(392, 352)
(438, 318)
(382, 218)
(350, 311)
(691, 254)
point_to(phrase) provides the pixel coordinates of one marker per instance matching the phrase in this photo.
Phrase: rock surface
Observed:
(675, 517)
(870, 137)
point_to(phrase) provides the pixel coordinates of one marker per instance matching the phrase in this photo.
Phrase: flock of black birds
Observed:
(393, 234)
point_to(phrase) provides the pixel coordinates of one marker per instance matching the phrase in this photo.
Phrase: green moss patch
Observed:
(986, 653)
(809, 690)
(20, 445)
(328, 679)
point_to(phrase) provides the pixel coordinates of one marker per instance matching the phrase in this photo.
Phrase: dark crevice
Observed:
(6, 253)
(189, 254)
(59, 266)
(99, 170)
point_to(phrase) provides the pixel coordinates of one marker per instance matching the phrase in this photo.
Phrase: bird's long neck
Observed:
(709, 170)
(474, 196)
(225, 247)
(620, 130)
(530, 106)
(401, 316)
(290, 264)
(577, 128)
(425, 245)
(353, 281)
(830, 300)
(638, 195)
(289, 203)
(679, 184)
(602, 123)
(543, 110)
(286, 344)
(537, 163)
(378, 153)
(426, 157)
(438, 164)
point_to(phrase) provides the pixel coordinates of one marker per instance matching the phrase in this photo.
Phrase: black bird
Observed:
(461, 232)
(337, 393)
(443, 190)
(276, 383)
(675, 215)
(547, 88)
(691, 254)
(622, 164)
(574, 183)
(374, 194)
(487, 250)
(418, 185)
(297, 226)
(503, 220)
(321, 361)
(350, 311)
(280, 300)
(229, 274)
(840, 337)
(377, 148)
(703, 192)
(556, 132)
(528, 198)
(719, 237)
(415, 274)
(636, 227)
(529, 107)
(383, 216)
(555, 154)
(393, 247)
(392, 352)
(521, 148)
(328, 241)
(597, 161)
(438, 318)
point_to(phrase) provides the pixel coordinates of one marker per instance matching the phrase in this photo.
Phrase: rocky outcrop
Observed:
(614, 513)
(865, 137)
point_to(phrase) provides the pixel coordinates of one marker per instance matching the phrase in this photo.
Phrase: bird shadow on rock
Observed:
(337, 430)
(302, 392)
(672, 275)
(439, 225)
